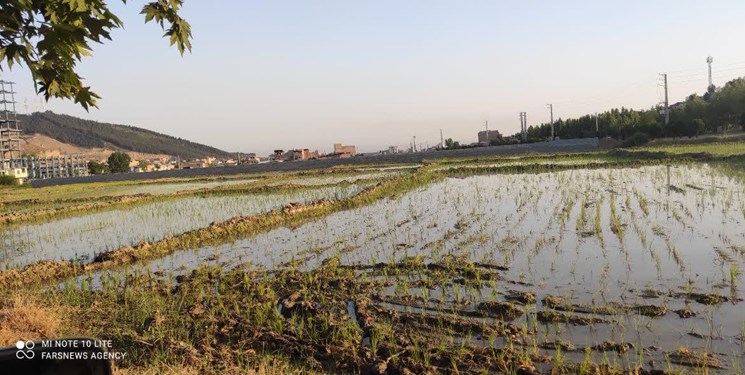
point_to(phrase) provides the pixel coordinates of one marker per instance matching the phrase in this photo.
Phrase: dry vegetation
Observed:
(24, 317)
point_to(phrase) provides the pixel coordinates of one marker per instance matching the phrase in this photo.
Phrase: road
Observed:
(567, 145)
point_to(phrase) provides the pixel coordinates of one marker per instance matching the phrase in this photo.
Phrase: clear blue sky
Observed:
(290, 74)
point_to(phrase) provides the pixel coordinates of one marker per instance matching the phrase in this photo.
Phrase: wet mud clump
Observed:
(502, 310)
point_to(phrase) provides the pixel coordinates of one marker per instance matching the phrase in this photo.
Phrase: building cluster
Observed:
(20, 167)
(392, 150)
(340, 151)
(165, 164)
(162, 164)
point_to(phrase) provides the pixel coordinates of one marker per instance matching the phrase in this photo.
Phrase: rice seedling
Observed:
(598, 223)
(734, 274)
(615, 220)
(102, 231)
(445, 268)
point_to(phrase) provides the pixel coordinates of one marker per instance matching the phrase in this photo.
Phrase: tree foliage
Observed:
(95, 167)
(51, 36)
(716, 110)
(119, 162)
(450, 144)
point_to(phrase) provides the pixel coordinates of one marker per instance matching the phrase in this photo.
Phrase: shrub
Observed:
(637, 139)
(8, 180)
(119, 162)
(95, 167)
(699, 127)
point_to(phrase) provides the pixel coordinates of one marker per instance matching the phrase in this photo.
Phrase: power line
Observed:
(718, 75)
(623, 89)
(730, 69)
(667, 78)
(599, 99)
(714, 71)
(674, 72)
(629, 89)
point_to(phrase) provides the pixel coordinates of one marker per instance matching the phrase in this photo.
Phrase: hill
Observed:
(93, 134)
(44, 146)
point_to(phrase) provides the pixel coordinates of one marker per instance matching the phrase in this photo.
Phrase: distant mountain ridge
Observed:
(94, 134)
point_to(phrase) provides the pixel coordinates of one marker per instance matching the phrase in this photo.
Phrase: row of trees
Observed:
(118, 162)
(713, 112)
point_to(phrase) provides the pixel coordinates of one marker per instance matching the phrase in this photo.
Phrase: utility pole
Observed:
(442, 142)
(667, 102)
(524, 125)
(521, 125)
(597, 125)
(551, 108)
(486, 123)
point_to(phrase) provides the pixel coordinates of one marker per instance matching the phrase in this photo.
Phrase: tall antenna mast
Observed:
(710, 60)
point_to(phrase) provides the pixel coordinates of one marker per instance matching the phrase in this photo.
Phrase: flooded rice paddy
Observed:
(81, 237)
(329, 180)
(631, 268)
(636, 262)
(157, 187)
(175, 187)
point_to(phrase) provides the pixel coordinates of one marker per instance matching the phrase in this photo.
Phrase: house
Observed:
(489, 136)
(20, 173)
(344, 151)
(300, 154)
(277, 156)
(196, 163)
(251, 159)
(160, 166)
